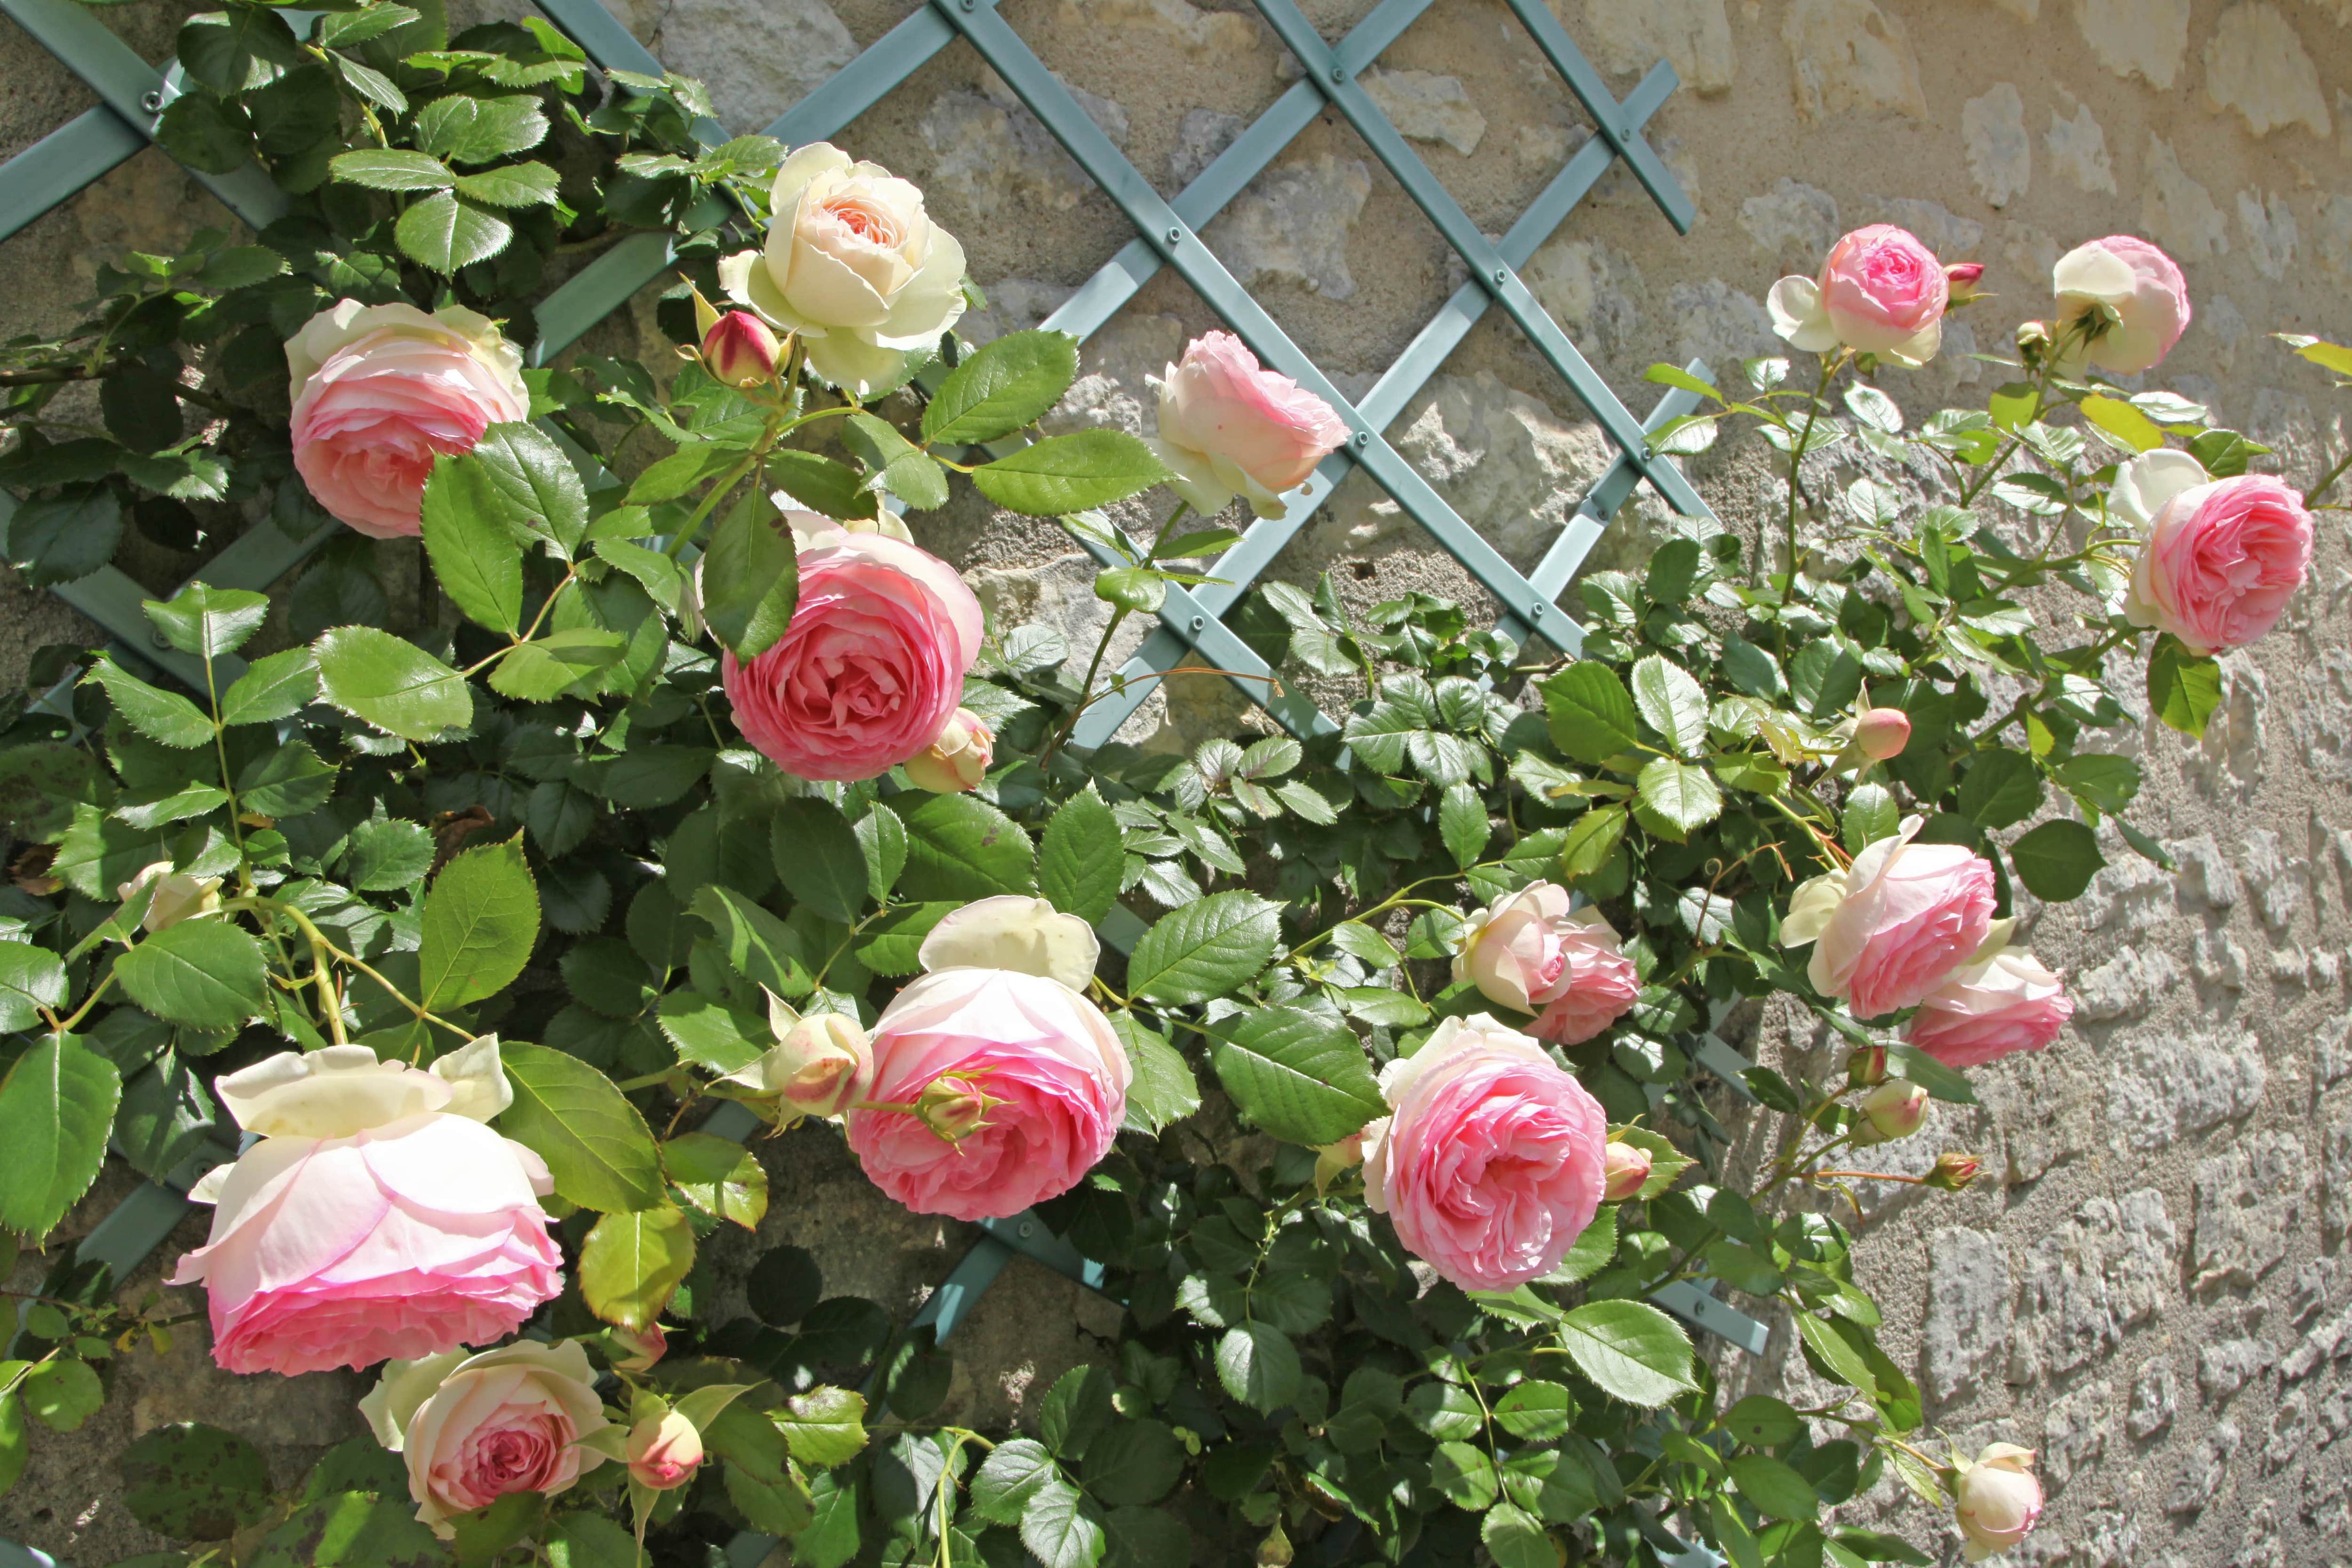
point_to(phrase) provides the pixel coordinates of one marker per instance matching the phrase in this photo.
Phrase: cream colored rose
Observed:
(522, 1418)
(855, 266)
(177, 895)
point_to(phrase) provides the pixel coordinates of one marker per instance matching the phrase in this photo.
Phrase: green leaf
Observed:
(1536, 1410)
(56, 1105)
(1594, 1245)
(446, 232)
(66, 537)
(1774, 1489)
(825, 1427)
(1300, 1077)
(760, 947)
(897, 464)
(1462, 824)
(1079, 860)
(196, 130)
(516, 185)
(481, 918)
(1751, 669)
(1731, 1534)
(1258, 1366)
(632, 1263)
(479, 129)
(1465, 1475)
(1133, 1462)
(391, 684)
(590, 1541)
(383, 855)
(1517, 1539)
(1631, 1349)
(750, 578)
(1015, 1472)
(712, 1034)
(1671, 702)
(290, 781)
(518, 476)
(343, 30)
(1007, 383)
(961, 848)
(1871, 814)
(1063, 1528)
(1139, 589)
(478, 559)
(273, 687)
(2057, 860)
(596, 1146)
(207, 622)
(1592, 840)
(1940, 1082)
(1063, 474)
(31, 978)
(2184, 688)
(390, 169)
(718, 1176)
(1675, 798)
(1589, 713)
(553, 662)
(1205, 949)
(236, 50)
(1163, 1092)
(1760, 1421)
(1839, 1359)
(820, 483)
(63, 1394)
(2126, 424)
(819, 860)
(194, 1482)
(882, 837)
(2107, 782)
(203, 972)
(165, 717)
(2000, 788)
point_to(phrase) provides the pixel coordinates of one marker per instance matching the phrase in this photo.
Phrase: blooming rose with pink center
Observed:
(999, 1017)
(1880, 293)
(2001, 1001)
(1490, 1162)
(522, 1418)
(2218, 559)
(377, 1217)
(1229, 426)
(380, 390)
(1530, 951)
(1896, 924)
(2139, 284)
(1996, 1500)
(872, 665)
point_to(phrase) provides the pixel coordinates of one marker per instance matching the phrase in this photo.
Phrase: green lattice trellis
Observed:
(132, 95)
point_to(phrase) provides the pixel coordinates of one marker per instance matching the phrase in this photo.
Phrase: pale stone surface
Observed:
(2270, 230)
(2078, 149)
(1793, 222)
(2246, 1200)
(2155, 1399)
(1587, 288)
(1427, 107)
(2074, 1433)
(1000, 161)
(1967, 1312)
(1626, 40)
(2255, 63)
(2127, 986)
(2146, 38)
(2167, 1084)
(2103, 1272)
(1203, 134)
(2177, 212)
(757, 60)
(1851, 55)
(1292, 225)
(2000, 153)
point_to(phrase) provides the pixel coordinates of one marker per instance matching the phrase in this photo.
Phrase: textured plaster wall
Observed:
(2150, 1284)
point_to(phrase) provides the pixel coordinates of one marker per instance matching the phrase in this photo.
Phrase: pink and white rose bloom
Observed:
(1491, 1161)
(820, 1062)
(2004, 1000)
(522, 1418)
(870, 670)
(1229, 426)
(377, 1217)
(1531, 952)
(380, 390)
(958, 760)
(1880, 292)
(1000, 1015)
(2218, 559)
(1896, 924)
(854, 266)
(1996, 1500)
(2140, 284)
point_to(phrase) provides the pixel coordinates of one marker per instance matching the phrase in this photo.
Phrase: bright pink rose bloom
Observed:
(2003, 1003)
(474, 1428)
(1893, 925)
(871, 666)
(1529, 952)
(1880, 292)
(998, 1020)
(2140, 284)
(1228, 426)
(377, 1217)
(2219, 558)
(380, 390)
(1491, 1162)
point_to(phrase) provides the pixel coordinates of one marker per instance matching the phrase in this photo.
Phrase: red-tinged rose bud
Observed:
(637, 1352)
(1867, 1067)
(958, 760)
(1625, 1169)
(1893, 1109)
(741, 350)
(1961, 280)
(1954, 1172)
(1882, 733)
(664, 1451)
(952, 1108)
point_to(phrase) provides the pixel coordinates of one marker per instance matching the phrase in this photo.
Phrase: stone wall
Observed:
(2150, 1286)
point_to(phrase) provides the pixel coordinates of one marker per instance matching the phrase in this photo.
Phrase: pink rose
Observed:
(2001, 1002)
(2219, 558)
(378, 1216)
(1881, 293)
(380, 390)
(522, 1418)
(1228, 425)
(870, 669)
(1996, 1501)
(1490, 1163)
(997, 1026)
(2135, 280)
(664, 1451)
(1893, 925)
(1531, 952)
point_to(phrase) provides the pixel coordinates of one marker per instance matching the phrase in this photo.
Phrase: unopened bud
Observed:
(1892, 1110)
(1882, 733)
(176, 895)
(1961, 280)
(637, 1351)
(1624, 1172)
(741, 350)
(1867, 1067)
(1331, 1160)
(958, 760)
(818, 1064)
(2032, 340)
(952, 1108)
(664, 1451)
(1954, 1172)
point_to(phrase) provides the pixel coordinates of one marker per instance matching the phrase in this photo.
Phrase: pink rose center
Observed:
(867, 220)
(521, 1457)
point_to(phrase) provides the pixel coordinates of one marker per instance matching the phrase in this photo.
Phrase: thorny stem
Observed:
(1830, 364)
(319, 940)
(1102, 644)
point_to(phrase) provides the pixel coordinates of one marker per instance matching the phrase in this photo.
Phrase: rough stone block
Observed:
(2255, 63)
(2107, 1268)
(2146, 38)
(2077, 148)
(2164, 1084)
(1968, 1317)
(2155, 1399)
(1848, 54)
(2246, 1199)
(1999, 150)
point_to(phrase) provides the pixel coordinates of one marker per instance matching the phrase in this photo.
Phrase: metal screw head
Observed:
(154, 102)
(1028, 1226)
(1198, 622)
(968, 5)
(1339, 73)
(159, 641)
(1502, 274)
(1175, 234)
(1363, 437)
(1536, 611)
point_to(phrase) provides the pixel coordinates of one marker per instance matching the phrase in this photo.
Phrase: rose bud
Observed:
(1881, 734)
(958, 760)
(176, 896)
(1997, 1500)
(664, 1451)
(1624, 1172)
(952, 1108)
(741, 350)
(1892, 1110)
(1333, 1160)
(819, 1064)
(1867, 1067)
(1954, 1172)
(1961, 280)
(637, 1352)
